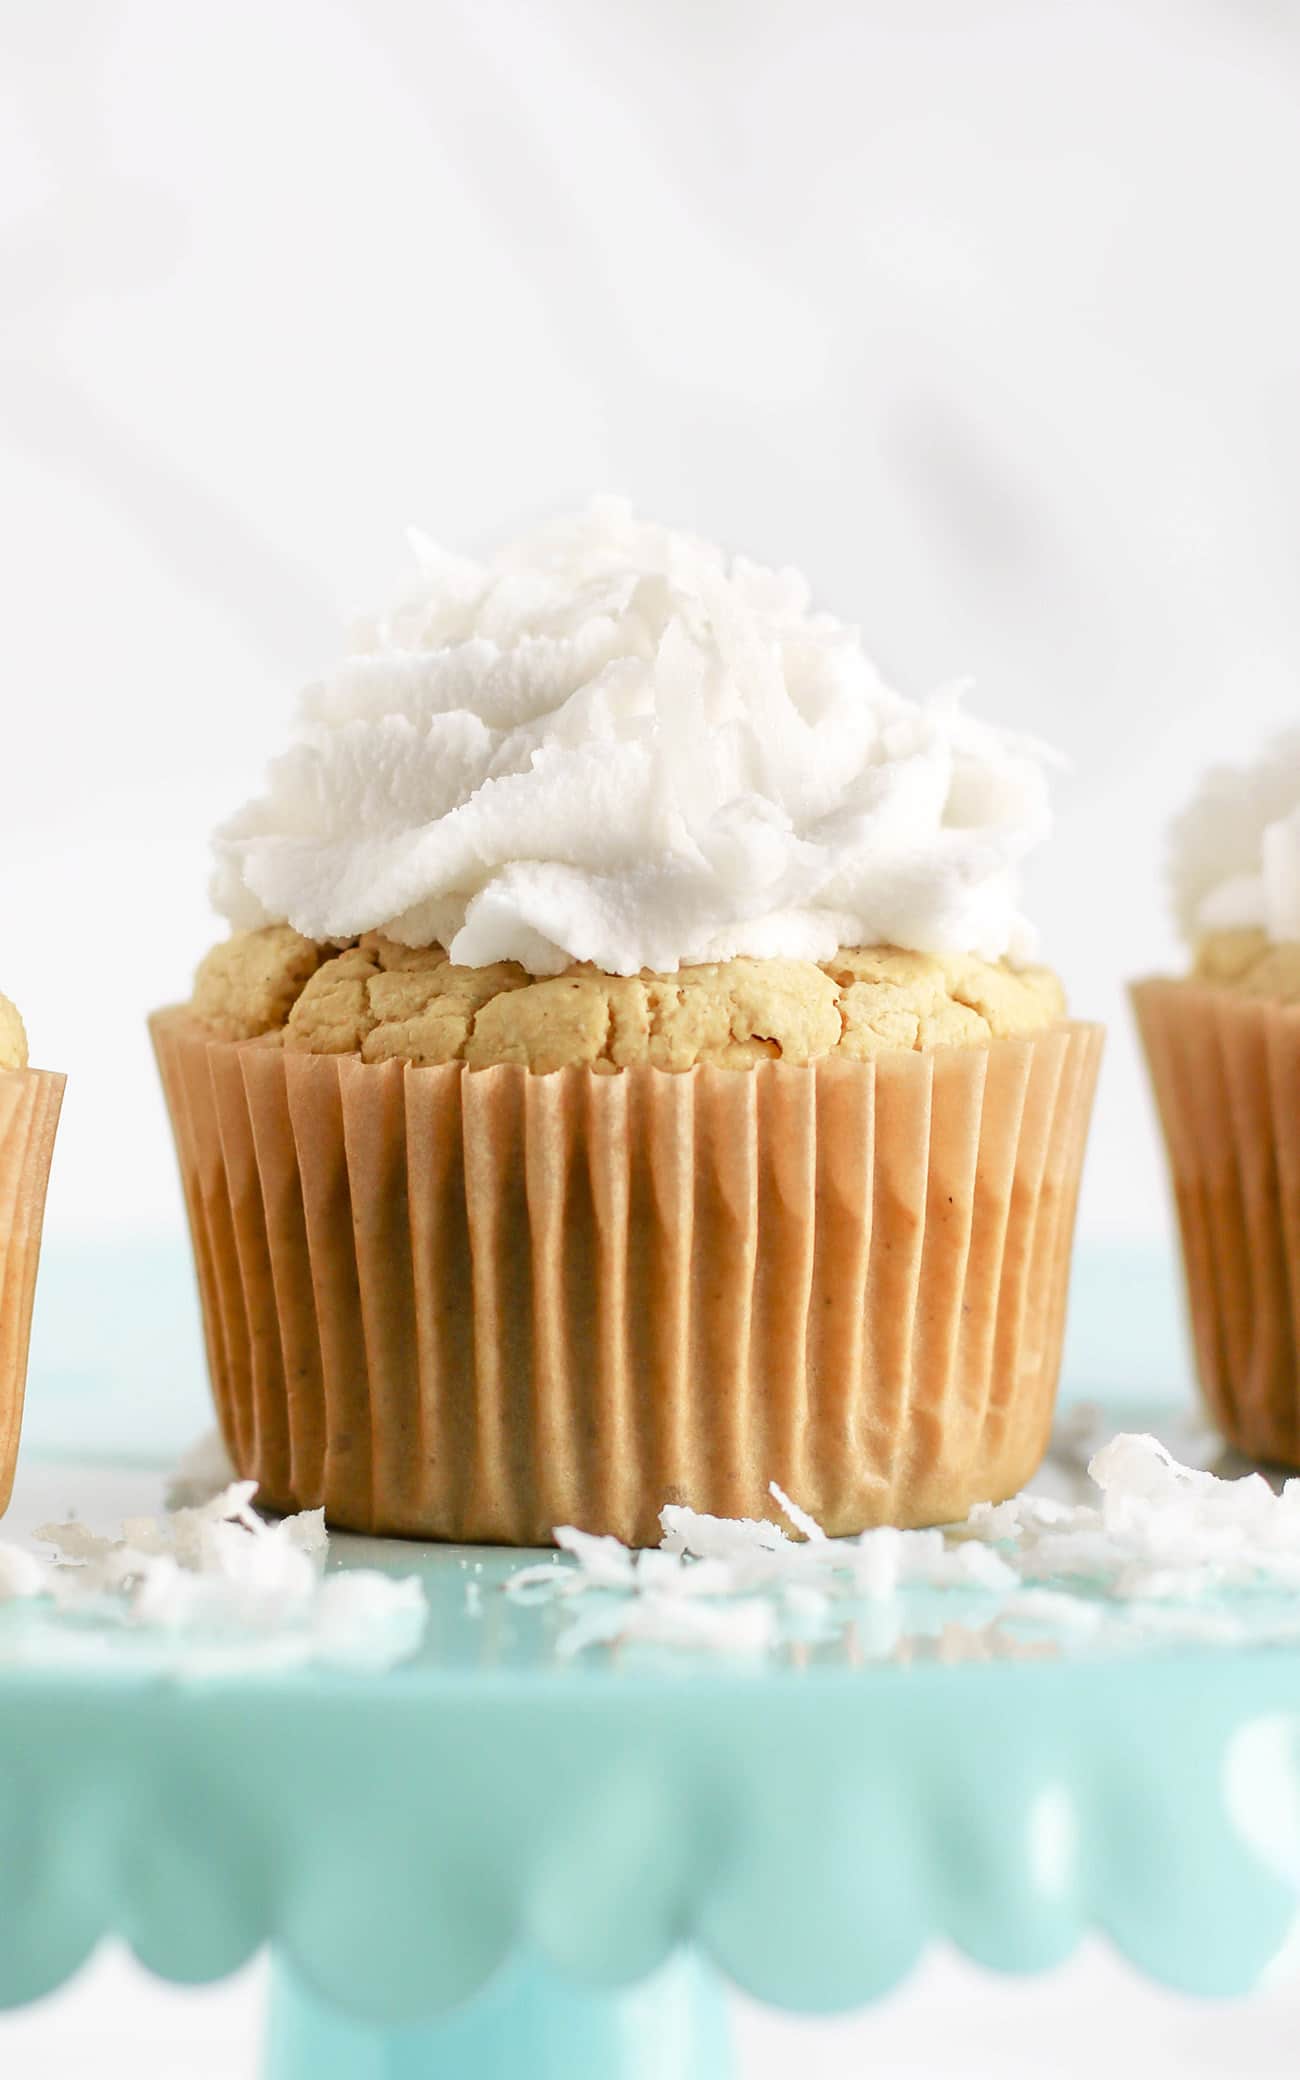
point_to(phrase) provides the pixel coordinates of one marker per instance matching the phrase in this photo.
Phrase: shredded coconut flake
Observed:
(227, 1587)
(800, 1518)
(1161, 1533)
(604, 1561)
(21, 1573)
(704, 1585)
(1139, 1562)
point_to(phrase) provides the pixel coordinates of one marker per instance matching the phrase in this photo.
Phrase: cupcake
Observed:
(1223, 1048)
(627, 1079)
(29, 1114)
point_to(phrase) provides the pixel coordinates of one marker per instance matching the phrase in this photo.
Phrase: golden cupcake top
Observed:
(13, 1037)
(383, 1002)
(1248, 961)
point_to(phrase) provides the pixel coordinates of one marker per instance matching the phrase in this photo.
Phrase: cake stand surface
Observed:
(494, 1860)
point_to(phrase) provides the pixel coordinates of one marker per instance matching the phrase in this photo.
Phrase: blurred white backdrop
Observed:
(983, 311)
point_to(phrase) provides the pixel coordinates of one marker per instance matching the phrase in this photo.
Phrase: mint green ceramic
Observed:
(539, 1838)
(527, 2022)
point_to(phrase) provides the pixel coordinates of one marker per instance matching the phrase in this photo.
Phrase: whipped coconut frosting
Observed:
(1234, 854)
(608, 743)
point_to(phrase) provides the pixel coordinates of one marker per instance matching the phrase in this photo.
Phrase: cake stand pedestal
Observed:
(494, 1859)
(528, 2022)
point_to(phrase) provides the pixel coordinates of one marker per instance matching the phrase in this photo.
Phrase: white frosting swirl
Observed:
(609, 744)
(1234, 854)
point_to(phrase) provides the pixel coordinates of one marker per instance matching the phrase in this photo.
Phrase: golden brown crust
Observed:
(387, 1002)
(892, 999)
(395, 1003)
(13, 1037)
(250, 983)
(1252, 964)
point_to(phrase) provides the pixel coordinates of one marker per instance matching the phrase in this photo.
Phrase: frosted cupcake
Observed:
(1223, 1045)
(627, 1080)
(29, 1113)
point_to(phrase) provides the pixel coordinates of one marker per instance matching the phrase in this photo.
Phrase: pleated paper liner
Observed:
(29, 1115)
(477, 1304)
(1226, 1073)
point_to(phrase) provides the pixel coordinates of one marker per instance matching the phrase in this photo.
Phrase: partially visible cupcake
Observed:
(29, 1114)
(1223, 1046)
(627, 1080)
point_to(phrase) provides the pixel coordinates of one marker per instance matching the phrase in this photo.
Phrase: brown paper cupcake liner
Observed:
(476, 1305)
(29, 1115)
(1226, 1073)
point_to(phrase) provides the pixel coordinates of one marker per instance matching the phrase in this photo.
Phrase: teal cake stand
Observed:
(493, 1860)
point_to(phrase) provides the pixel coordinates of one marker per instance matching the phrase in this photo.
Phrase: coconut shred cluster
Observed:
(610, 745)
(208, 1588)
(1157, 1555)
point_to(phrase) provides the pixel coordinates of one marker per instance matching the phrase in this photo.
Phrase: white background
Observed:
(983, 311)
(949, 2022)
